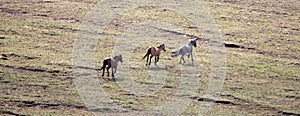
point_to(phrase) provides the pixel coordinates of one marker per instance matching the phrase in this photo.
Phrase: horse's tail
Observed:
(103, 65)
(175, 54)
(147, 54)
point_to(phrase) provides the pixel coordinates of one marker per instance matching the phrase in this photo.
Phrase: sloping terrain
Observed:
(262, 76)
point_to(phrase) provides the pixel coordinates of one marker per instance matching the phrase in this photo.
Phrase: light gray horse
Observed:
(186, 49)
(111, 62)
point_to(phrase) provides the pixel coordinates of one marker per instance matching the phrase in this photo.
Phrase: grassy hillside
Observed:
(36, 43)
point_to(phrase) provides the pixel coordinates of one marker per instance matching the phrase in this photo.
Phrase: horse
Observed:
(154, 51)
(186, 49)
(111, 62)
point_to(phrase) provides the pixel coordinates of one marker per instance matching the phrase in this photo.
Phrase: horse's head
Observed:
(162, 46)
(193, 42)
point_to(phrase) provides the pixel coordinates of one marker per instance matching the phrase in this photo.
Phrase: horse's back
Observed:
(154, 51)
(107, 61)
(184, 49)
(108, 58)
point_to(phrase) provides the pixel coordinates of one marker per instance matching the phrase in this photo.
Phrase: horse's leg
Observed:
(103, 67)
(115, 69)
(150, 59)
(182, 58)
(103, 72)
(147, 55)
(192, 58)
(107, 71)
(155, 60)
(113, 72)
(147, 60)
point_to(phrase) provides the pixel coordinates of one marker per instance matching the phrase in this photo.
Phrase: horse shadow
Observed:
(156, 68)
(108, 79)
(190, 65)
(113, 79)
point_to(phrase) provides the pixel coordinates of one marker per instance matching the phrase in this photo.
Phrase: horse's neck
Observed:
(115, 60)
(191, 46)
(114, 63)
(157, 49)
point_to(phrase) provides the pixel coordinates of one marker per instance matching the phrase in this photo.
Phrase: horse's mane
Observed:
(115, 57)
(161, 45)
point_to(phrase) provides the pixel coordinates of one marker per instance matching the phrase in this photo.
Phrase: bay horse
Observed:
(111, 62)
(154, 51)
(186, 49)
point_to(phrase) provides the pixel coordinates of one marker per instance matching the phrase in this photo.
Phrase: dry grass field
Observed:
(262, 76)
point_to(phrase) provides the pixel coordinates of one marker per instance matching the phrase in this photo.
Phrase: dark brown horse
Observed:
(154, 51)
